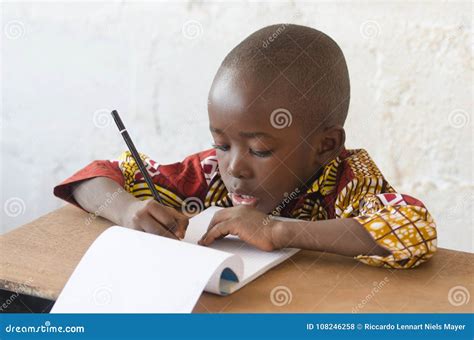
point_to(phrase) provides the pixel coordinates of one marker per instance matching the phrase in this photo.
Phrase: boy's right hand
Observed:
(152, 217)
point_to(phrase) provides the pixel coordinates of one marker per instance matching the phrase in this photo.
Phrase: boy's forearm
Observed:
(343, 236)
(105, 197)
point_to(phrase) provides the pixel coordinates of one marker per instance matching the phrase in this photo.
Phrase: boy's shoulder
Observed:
(358, 170)
(359, 163)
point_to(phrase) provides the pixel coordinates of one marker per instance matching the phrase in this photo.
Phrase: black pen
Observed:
(123, 131)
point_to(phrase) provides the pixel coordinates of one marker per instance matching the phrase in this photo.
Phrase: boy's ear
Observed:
(330, 143)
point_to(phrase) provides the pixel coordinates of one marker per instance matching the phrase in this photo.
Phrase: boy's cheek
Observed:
(274, 199)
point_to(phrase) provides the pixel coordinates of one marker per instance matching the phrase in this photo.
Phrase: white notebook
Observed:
(128, 271)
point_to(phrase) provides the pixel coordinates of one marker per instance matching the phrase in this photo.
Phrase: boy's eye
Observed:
(221, 147)
(262, 154)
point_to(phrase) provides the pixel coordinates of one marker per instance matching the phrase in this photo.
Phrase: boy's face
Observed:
(260, 156)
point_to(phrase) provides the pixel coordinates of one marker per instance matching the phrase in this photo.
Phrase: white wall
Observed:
(65, 66)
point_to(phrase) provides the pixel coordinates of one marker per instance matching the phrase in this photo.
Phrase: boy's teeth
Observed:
(239, 199)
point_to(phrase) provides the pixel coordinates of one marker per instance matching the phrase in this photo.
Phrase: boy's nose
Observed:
(238, 168)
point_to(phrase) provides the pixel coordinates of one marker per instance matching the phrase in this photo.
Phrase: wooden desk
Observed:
(38, 258)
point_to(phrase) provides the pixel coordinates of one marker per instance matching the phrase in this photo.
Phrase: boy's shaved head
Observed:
(276, 107)
(308, 63)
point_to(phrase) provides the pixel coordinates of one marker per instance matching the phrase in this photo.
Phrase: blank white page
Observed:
(128, 271)
(255, 261)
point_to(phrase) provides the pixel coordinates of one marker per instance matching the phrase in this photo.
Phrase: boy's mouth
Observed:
(240, 199)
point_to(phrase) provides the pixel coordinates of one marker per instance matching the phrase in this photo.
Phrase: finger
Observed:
(217, 232)
(163, 215)
(220, 216)
(150, 225)
(181, 219)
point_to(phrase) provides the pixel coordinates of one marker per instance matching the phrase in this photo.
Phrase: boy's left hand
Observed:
(249, 224)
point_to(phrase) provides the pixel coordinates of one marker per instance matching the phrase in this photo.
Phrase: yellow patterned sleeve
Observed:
(135, 183)
(407, 231)
(399, 223)
(130, 169)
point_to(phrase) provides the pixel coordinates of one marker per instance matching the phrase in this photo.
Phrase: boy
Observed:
(277, 107)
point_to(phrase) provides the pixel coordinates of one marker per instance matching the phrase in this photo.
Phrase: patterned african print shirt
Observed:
(349, 186)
